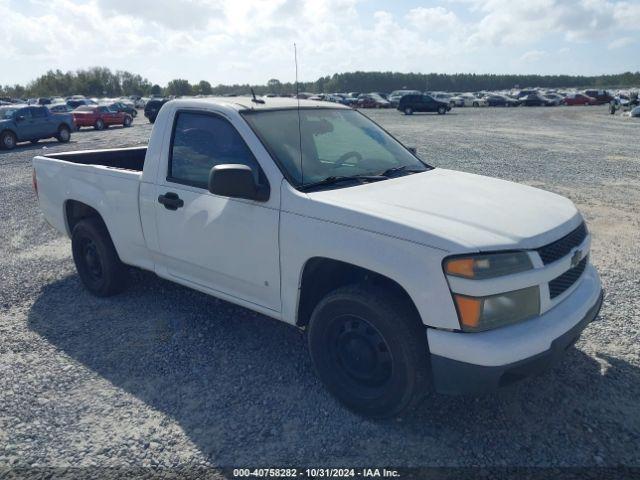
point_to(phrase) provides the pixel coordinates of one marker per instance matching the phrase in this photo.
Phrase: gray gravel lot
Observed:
(162, 375)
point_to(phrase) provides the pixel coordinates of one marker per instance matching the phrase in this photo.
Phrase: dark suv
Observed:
(422, 103)
(152, 108)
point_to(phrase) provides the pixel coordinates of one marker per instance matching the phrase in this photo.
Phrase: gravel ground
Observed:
(165, 376)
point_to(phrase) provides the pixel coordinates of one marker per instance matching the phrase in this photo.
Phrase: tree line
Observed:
(102, 82)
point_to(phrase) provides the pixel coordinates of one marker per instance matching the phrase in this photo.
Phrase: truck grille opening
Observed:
(558, 249)
(561, 283)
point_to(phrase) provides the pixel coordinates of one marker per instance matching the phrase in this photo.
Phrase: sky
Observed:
(251, 41)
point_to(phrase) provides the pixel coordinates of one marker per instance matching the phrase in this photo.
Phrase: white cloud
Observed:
(621, 42)
(437, 18)
(533, 56)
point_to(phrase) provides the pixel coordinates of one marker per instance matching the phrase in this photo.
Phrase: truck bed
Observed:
(124, 158)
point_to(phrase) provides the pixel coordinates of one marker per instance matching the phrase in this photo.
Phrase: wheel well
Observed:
(76, 211)
(323, 275)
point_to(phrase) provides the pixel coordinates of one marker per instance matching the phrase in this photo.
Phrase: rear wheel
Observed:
(99, 125)
(369, 350)
(96, 259)
(476, 104)
(64, 134)
(8, 140)
(408, 111)
(442, 110)
(134, 113)
(127, 122)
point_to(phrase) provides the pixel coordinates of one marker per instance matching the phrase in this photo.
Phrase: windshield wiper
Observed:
(332, 180)
(403, 168)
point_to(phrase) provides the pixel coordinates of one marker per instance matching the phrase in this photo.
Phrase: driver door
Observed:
(224, 244)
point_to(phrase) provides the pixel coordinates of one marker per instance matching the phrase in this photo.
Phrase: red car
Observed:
(100, 117)
(579, 99)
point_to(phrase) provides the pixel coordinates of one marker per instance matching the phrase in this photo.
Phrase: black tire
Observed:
(127, 122)
(64, 134)
(369, 350)
(476, 104)
(8, 140)
(134, 113)
(99, 125)
(34, 141)
(96, 259)
(152, 119)
(408, 111)
(442, 110)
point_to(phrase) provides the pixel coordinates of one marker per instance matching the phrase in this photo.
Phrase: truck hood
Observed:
(451, 210)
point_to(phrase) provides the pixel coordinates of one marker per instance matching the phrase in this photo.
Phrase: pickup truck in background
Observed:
(405, 277)
(23, 123)
(100, 117)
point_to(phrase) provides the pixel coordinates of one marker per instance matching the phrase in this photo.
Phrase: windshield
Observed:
(334, 143)
(7, 112)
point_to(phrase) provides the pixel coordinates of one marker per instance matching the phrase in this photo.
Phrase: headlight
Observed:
(491, 265)
(484, 313)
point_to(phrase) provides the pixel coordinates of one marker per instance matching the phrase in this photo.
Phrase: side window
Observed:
(200, 142)
(103, 109)
(38, 113)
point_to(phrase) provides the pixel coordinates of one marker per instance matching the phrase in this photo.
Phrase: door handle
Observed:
(171, 201)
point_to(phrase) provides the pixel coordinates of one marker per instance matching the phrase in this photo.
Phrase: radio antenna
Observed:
(295, 60)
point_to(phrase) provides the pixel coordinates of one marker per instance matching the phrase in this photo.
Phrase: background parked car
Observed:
(60, 108)
(495, 100)
(395, 96)
(79, 102)
(601, 96)
(124, 107)
(100, 117)
(422, 103)
(579, 99)
(536, 100)
(372, 100)
(22, 123)
(152, 108)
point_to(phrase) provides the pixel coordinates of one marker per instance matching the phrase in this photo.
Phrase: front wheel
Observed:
(64, 134)
(8, 140)
(96, 259)
(99, 125)
(127, 122)
(442, 110)
(369, 350)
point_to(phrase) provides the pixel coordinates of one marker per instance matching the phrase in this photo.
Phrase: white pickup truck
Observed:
(406, 277)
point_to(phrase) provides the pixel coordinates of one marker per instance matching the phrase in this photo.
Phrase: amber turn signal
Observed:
(462, 267)
(469, 310)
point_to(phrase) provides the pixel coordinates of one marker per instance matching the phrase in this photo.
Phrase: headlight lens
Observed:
(484, 313)
(493, 265)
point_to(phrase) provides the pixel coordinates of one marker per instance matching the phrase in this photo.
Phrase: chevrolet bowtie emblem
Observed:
(575, 259)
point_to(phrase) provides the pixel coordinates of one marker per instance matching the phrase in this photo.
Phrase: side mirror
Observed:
(413, 150)
(238, 181)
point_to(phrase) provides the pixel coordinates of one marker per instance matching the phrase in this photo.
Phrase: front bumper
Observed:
(473, 363)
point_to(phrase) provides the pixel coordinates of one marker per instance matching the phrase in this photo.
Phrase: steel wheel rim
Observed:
(89, 252)
(360, 352)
